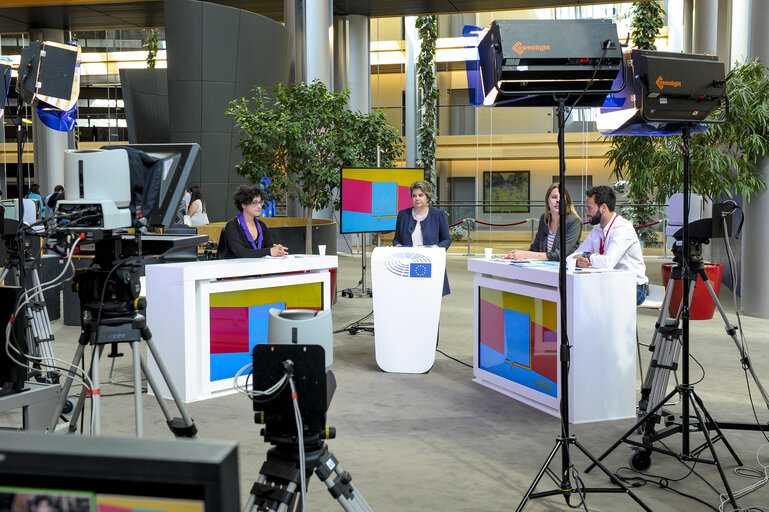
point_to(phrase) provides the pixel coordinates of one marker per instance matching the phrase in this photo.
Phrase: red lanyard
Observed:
(602, 241)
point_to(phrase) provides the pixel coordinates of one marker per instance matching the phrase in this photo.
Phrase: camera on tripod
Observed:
(702, 231)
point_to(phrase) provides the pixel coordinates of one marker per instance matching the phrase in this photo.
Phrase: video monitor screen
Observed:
(372, 197)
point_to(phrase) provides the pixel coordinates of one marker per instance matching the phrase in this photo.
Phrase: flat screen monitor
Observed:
(175, 166)
(372, 197)
(114, 474)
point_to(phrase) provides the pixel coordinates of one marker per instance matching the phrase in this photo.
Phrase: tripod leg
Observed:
(68, 383)
(612, 477)
(696, 406)
(137, 387)
(558, 444)
(187, 427)
(341, 488)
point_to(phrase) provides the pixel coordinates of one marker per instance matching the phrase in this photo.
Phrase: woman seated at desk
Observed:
(547, 242)
(245, 236)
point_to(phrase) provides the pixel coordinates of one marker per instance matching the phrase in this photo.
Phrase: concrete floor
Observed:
(438, 441)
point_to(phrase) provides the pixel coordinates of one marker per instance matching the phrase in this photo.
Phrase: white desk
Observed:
(517, 337)
(206, 316)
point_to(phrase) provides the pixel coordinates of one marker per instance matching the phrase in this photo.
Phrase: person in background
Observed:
(423, 225)
(246, 236)
(54, 197)
(34, 193)
(197, 208)
(613, 243)
(547, 242)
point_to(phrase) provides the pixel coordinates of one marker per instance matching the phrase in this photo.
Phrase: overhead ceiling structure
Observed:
(23, 15)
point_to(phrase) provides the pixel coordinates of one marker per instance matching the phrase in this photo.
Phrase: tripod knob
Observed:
(259, 417)
(329, 433)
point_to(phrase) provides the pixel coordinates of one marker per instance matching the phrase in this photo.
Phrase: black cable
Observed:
(453, 358)
(663, 483)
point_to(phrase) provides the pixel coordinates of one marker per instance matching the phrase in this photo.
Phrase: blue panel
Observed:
(358, 222)
(384, 198)
(518, 337)
(258, 320)
(522, 376)
(225, 366)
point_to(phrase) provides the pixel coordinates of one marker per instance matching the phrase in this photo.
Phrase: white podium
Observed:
(408, 285)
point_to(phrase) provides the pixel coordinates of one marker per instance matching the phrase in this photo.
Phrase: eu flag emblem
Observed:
(420, 269)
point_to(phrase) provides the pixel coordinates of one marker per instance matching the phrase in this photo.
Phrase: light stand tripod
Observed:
(666, 354)
(566, 440)
(39, 334)
(109, 316)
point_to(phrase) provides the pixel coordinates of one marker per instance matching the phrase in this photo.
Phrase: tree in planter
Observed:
(301, 135)
(152, 45)
(427, 28)
(630, 153)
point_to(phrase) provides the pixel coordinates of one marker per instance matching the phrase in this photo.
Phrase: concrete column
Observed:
(705, 33)
(755, 239)
(319, 35)
(675, 10)
(688, 25)
(48, 145)
(412, 52)
(740, 29)
(359, 70)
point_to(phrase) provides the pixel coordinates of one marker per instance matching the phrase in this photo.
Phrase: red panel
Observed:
(404, 198)
(356, 196)
(544, 351)
(492, 320)
(229, 330)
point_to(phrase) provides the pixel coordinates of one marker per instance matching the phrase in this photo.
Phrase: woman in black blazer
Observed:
(246, 236)
(423, 225)
(547, 242)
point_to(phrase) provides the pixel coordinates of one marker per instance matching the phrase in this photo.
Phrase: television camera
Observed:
(298, 386)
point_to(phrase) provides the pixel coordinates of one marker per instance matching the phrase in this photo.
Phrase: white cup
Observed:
(571, 263)
(487, 251)
(322, 250)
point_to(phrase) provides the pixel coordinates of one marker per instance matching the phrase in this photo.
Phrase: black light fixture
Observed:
(49, 72)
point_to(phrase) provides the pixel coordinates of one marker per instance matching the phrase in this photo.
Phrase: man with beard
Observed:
(613, 243)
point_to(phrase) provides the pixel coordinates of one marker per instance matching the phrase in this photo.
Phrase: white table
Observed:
(408, 286)
(206, 316)
(517, 337)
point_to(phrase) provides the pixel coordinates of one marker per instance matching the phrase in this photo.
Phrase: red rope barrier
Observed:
(490, 224)
(647, 225)
(456, 223)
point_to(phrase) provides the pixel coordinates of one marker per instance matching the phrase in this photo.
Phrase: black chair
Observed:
(186, 254)
(221, 248)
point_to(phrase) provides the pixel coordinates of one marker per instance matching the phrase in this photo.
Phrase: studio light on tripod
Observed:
(665, 91)
(525, 63)
(50, 72)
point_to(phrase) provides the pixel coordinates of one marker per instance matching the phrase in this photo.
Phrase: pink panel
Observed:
(357, 196)
(544, 357)
(492, 320)
(404, 198)
(112, 508)
(229, 330)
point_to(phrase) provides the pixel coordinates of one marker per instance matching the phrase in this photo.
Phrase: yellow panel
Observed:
(404, 177)
(307, 295)
(492, 296)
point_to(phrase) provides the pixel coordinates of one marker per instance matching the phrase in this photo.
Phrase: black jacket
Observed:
(572, 237)
(236, 245)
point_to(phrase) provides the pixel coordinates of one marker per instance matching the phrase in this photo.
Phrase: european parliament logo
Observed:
(409, 264)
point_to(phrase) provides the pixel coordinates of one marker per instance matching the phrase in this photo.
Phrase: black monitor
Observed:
(122, 473)
(163, 188)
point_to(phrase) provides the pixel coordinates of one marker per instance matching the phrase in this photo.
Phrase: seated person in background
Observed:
(245, 236)
(197, 208)
(422, 225)
(547, 242)
(613, 243)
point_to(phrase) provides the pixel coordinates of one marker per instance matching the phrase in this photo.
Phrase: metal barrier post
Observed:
(467, 228)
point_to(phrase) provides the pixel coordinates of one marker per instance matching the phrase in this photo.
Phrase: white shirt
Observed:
(622, 250)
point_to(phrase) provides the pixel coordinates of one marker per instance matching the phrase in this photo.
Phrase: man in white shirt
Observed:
(613, 243)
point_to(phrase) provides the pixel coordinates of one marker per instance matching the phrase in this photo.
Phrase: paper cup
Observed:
(322, 250)
(487, 251)
(571, 263)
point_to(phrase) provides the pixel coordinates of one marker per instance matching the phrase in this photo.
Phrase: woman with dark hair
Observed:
(547, 242)
(197, 208)
(423, 225)
(246, 236)
(34, 193)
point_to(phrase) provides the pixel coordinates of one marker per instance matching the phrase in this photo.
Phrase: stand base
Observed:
(280, 478)
(565, 488)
